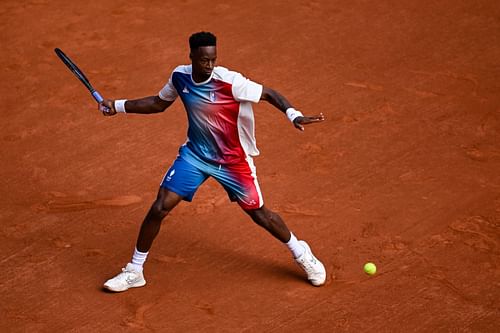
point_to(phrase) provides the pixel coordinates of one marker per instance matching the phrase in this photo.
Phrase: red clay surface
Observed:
(405, 172)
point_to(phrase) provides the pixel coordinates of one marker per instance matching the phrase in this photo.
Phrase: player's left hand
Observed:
(305, 120)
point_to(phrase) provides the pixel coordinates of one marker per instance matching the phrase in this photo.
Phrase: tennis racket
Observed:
(81, 76)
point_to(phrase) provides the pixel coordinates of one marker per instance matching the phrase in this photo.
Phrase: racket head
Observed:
(81, 76)
(74, 68)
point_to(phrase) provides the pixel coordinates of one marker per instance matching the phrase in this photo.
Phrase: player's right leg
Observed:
(132, 274)
(180, 183)
(165, 201)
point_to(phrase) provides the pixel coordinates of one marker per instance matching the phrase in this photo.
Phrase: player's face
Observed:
(203, 60)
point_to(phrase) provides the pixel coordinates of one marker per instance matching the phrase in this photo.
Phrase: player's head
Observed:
(203, 54)
(202, 38)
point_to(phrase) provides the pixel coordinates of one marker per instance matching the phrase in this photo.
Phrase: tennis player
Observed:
(220, 144)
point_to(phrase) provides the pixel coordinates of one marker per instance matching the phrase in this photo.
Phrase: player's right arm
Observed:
(146, 105)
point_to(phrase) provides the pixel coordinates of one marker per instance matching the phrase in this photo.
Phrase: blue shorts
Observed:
(189, 171)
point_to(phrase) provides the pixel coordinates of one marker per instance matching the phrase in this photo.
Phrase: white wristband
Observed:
(120, 105)
(291, 113)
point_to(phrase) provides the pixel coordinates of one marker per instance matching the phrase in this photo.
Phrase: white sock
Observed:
(138, 259)
(295, 247)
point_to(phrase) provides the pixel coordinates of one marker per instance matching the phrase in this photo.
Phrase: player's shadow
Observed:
(284, 271)
(244, 261)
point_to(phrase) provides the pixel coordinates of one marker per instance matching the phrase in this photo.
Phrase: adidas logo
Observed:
(185, 90)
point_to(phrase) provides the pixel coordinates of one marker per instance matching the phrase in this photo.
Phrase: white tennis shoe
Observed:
(316, 273)
(128, 278)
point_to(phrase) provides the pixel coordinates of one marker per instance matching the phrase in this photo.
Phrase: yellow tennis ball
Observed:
(370, 268)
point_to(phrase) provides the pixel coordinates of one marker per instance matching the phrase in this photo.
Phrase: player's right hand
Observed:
(107, 107)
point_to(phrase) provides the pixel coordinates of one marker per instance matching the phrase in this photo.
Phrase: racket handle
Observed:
(97, 96)
(99, 99)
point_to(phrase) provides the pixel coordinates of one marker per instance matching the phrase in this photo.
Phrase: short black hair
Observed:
(202, 38)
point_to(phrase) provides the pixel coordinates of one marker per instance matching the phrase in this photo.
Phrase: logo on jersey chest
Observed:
(212, 96)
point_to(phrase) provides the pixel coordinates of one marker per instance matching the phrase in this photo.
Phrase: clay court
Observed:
(404, 172)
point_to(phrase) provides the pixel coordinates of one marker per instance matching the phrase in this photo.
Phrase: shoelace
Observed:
(308, 264)
(125, 275)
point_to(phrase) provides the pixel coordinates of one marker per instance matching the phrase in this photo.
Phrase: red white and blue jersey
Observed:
(219, 110)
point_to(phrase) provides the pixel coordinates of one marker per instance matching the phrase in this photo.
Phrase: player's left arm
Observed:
(281, 103)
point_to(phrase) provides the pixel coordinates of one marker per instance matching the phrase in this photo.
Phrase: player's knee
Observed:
(159, 209)
(261, 217)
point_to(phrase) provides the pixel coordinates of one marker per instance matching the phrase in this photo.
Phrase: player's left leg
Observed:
(270, 221)
(301, 251)
(240, 181)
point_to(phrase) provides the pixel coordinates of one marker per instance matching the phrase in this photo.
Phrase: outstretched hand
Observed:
(305, 120)
(107, 107)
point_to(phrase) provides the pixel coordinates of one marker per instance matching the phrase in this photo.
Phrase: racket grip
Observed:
(97, 96)
(99, 99)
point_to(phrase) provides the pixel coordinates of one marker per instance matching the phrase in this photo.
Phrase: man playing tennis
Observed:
(220, 144)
